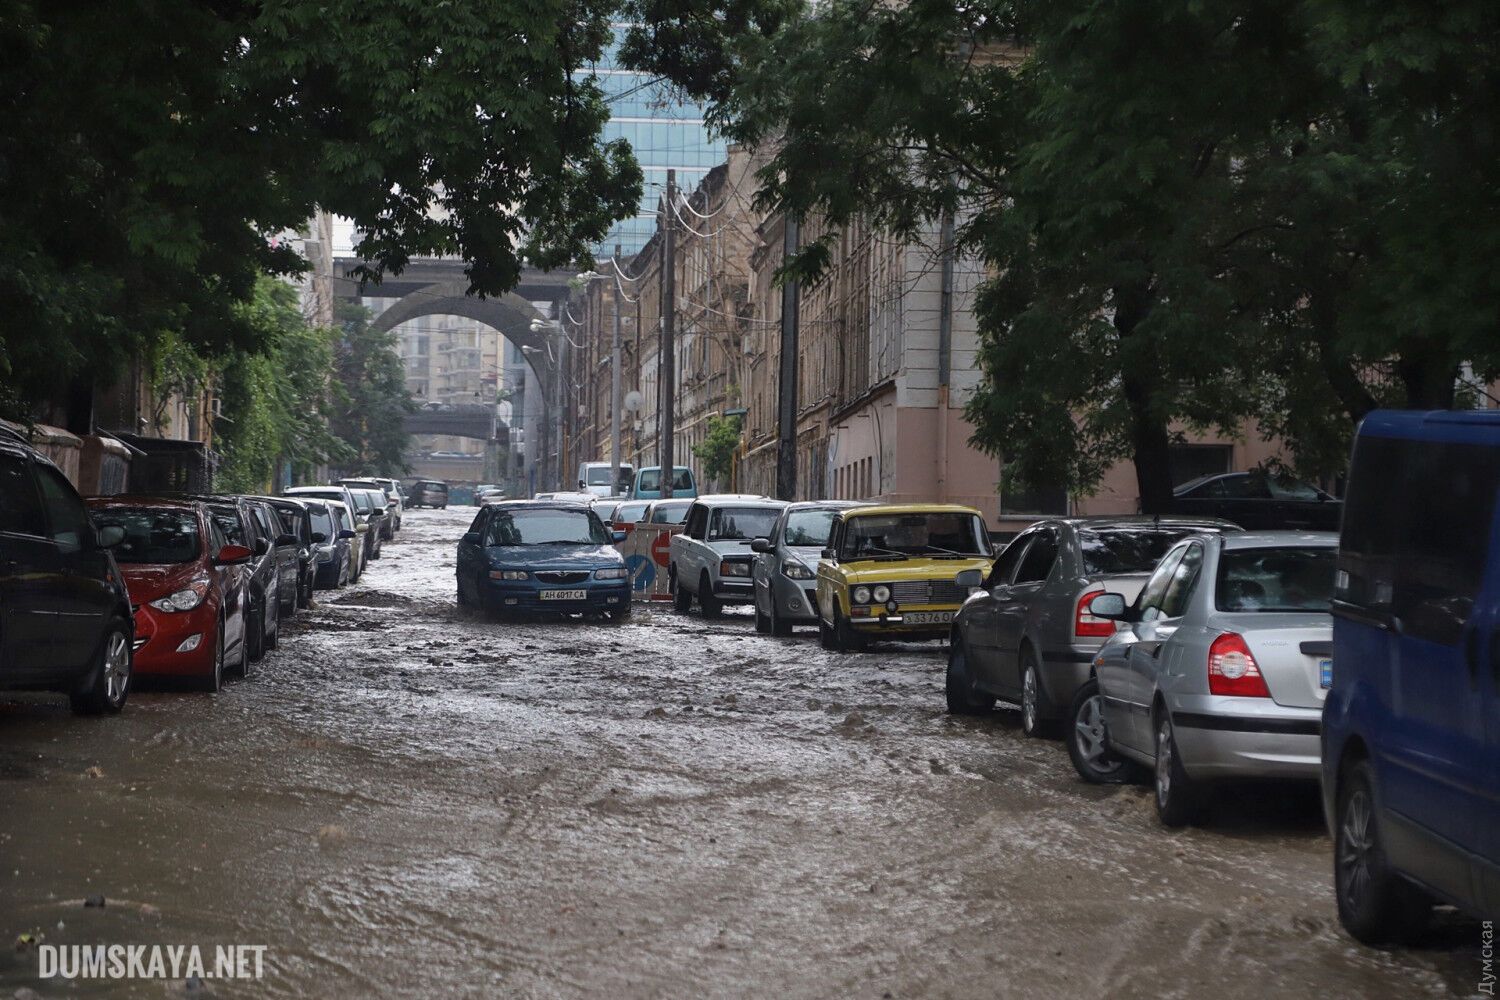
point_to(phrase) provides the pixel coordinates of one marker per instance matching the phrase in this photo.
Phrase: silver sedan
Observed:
(1217, 670)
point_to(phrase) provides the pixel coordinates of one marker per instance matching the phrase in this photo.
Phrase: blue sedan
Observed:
(542, 557)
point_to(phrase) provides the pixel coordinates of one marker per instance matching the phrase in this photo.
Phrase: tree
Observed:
(370, 398)
(716, 451)
(152, 149)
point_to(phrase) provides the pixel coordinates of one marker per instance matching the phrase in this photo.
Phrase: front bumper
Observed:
(524, 596)
(900, 622)
(796, 600)
(734, 590)
(160, 634)
(1247, 738)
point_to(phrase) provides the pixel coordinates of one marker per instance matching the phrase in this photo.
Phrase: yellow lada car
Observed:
(899, 571)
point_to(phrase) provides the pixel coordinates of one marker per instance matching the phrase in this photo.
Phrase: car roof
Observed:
(736, 499)
(292, 491)
(1126, 522)
(826, 504)
(560, 503)
(1279, 539)
(912, 508)
(142, 500)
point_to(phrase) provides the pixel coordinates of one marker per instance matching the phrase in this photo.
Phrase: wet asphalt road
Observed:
(405, 800)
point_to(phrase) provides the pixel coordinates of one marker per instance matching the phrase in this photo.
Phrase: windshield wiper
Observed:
(888, 553)
(946, 553)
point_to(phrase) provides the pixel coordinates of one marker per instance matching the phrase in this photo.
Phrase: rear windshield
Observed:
(740, 524)
(1278, 579)
(1128, 550)
(630, 512)
(671, 513)
(154, 536)
(809, 527)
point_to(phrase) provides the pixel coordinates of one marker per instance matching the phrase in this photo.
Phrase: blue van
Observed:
(1411, 726)
(647, 485)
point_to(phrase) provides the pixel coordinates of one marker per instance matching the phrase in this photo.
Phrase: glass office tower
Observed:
(664, 132)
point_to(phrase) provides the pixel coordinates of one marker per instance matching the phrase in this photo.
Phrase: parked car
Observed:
(605, 507)
(629, 514)
(396, 497)
(647, 485)
(898, 571)
(784, 573)
(669, 511)
(1027, 636)
(1258, 501)
(296, 518)
(486, 490)
(429, 493)
(331, 541)
(358, 545)
(376, 514)
(286, 549)
(550, 557)
(65, 618)
(240, 526)
(1411, 728)
(188, 585)
(1216, 671)
(709, 561)
(386, 505)
(595, 478)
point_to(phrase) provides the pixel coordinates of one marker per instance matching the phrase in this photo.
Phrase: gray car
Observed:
(785, 572)
(1218, 669)
(1027, 636)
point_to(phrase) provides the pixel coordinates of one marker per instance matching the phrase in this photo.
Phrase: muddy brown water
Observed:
(409, 801)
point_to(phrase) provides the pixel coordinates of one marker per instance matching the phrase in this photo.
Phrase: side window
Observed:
(20, 507)
(1005, 566)
(1374, 515)
(216, 539)
(1154, 594)
(697, 522)
(778, 529)
(1184, 579)
(478, 523)
(67, 519)
(1037, 565)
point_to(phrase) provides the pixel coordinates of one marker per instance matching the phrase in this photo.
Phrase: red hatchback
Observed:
(187, 587)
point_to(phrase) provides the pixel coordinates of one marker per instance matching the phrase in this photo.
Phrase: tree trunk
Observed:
(1149, 441)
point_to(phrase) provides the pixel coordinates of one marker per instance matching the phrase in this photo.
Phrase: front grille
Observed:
(562, 575)
(909, 592)
(946, 592)
(928, 592)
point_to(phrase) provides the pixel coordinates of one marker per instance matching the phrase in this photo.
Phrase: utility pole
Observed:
(614, 385)
(666, 395)
(945, 352)
(786, 400)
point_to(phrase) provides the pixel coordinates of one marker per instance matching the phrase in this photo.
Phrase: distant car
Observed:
(1027, 635)
(629, 514)
(1258, 501)
(648, 486)
(429, 493)
(542, 557)
(668, 511)
(898, 570)
(1216, 672)
(391, 506)
(296, 518)
(1412, 722)
(369, 513)
(187, 584)
(286, 550)
(595, 478)
(486, 490)
(331, 539)
(710, 560)
(605, 507)
(397, 495)
(359, 544)
(784, 573)
(65, 616)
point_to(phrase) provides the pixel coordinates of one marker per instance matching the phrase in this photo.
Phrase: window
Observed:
(545, 527)
(730, 524)
(1184, 579)
(1242, 486)
(1005, 566)
(1037, 565)
(1154, 594)
(20, 508)
(1374, 512)
(67, 518)
(898, 536)
(1276, 579)
(1127, 550)
(154, 536)
(808, 527)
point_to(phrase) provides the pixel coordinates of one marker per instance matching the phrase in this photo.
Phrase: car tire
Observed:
(274, 638)
(464, 601)
(255, 638)
(1032, 723)
(710, 605)
(622, 615)
(1088, 740)
(1376, 906)
(681, 600)
(215, 680)
(779, 626)
(958, 685)
(108, 684)
(304, 595)
(825, 634)
(1178, 800)
(762, 622)
(845, 639)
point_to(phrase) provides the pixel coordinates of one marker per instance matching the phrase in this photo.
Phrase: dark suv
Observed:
(65, 618)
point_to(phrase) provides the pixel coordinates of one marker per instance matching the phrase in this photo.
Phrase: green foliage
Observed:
(717, 449)
(370, 401)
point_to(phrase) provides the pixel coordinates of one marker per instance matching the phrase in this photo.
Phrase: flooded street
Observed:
(406, 800)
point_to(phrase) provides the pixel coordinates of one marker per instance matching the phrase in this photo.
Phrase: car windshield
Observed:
(873, 536)
(1276, 579)
(669, 513)
(809, 527)
(630, 512)
(599, 477)
(545, 527)
(1128, 550)
(740, 524)
(154, 536)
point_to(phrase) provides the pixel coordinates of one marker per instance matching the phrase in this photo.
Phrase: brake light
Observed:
(1232, 669)
(1086, 624)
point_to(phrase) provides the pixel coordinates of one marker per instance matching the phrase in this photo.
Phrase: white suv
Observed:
(711, 559)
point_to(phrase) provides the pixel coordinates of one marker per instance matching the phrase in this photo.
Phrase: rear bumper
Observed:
(1238, 738)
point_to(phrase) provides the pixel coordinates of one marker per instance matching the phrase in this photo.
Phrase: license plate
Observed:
(1325, 672)
(926, 617)
(563, 595)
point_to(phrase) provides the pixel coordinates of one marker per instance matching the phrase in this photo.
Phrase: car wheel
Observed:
(215, 680)
(1376, 906)
(274, 638)
(1177, 800)
(681, 599)
(762, 622)
(255, 638)
(108, 684)
(825, 634)
(1032, 723)
(779, 626)
(959, 687)
(845, 639)
(304, 594)
(464, 600)
(622, 615)
(1088, 740)
(710, 604)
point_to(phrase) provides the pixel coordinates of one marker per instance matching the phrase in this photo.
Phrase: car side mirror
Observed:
(232, 555)
(346, 533)
(826, 554)
(285, 540)
(617, 536)
(470, 538)
(261, 547)
(109, 535)
(970, 578)
(761, 545)
(1110, 606)
(318, 538)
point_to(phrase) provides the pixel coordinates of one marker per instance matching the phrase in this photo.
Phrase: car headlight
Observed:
(509, 574)
(186, 599)
(861, 595)
(882, 593)
(734, 569)
(796, 569)
(613, 573)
